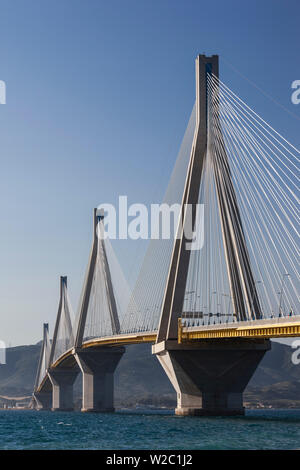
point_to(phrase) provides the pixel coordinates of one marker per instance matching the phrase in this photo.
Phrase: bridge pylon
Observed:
(210, 377)
(62, 378)
(97, 364)
(42, 398)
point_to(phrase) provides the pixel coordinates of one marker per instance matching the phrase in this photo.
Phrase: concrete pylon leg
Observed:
(210, 377)
(62, 381)
(98, 367)
(42, 400)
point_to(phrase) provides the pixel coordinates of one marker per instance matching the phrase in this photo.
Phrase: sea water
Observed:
(148, 429)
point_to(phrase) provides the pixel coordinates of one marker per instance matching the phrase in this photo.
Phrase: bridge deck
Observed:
(115, 340)
(269, 328)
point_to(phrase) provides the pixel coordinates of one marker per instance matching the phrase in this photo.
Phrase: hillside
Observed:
(17, 376)
(140, 379)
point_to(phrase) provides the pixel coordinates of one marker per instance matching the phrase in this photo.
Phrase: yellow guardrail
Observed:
(269, 330)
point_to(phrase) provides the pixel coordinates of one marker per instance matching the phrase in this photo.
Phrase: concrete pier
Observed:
(210, 377)
(62, 381)
(98, 367)
(43, 400)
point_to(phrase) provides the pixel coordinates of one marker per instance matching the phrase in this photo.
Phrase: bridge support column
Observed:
(62, 381)
(210, 377)
(98, 367)
(42, 400)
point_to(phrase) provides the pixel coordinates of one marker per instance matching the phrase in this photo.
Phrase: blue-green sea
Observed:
(259, 429)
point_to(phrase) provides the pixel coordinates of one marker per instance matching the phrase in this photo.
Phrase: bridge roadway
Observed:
(267, 328)
(67, 359)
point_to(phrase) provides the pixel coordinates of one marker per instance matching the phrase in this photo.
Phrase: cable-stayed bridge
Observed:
(210, 295)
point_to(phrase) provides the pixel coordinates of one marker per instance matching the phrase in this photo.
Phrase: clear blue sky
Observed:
(98, 97)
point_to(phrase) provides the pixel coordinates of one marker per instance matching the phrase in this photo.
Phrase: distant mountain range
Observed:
(140, 379)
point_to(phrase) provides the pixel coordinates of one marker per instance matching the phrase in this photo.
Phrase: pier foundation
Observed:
(62, 381)
(210, 377)
(43, 400)
(98, 367)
